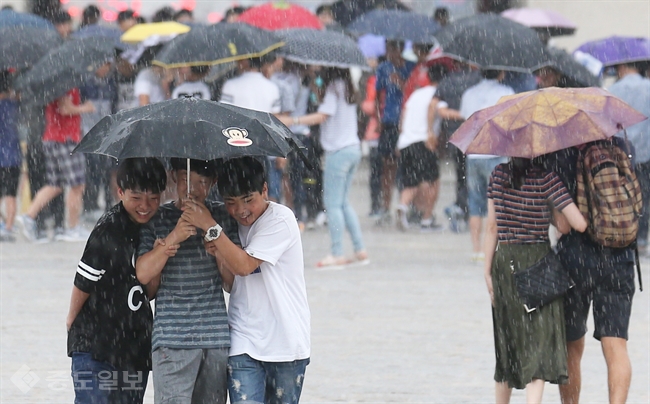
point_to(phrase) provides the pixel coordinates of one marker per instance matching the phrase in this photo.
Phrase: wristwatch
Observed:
(213, 233)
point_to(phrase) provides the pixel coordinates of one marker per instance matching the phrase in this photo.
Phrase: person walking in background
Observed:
(337, 116)
(151, 85)
(10, 157)
(193, 85)
(530, 347)
(391, 77)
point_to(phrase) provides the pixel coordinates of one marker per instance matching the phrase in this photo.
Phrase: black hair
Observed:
(205, 168)
(240, 176)
(164, 14)
(61, 17)
(140, 19)
(437, 72)
(440, 13)
(5, 81)
(323, 8)
(330, 74)
(90, 15)
(125, 15)
(233, 11)
(182, 12)
(490, 74)
(519, 168)
(200, 70)
(142, 174)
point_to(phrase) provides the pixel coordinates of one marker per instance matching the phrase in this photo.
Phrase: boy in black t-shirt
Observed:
(109, 322)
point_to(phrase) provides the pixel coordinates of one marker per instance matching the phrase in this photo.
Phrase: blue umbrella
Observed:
(96, 30)
(10, 18)
(396, 25)
(617, 50)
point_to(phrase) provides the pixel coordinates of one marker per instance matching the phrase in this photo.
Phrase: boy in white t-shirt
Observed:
(193, 86)
(268, 312)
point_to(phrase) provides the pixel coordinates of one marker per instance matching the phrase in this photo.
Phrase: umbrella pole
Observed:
(188, 178)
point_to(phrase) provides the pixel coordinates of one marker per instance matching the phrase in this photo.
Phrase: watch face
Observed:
(213, 233)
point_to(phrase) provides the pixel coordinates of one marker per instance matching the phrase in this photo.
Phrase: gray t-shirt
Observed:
(190, 307)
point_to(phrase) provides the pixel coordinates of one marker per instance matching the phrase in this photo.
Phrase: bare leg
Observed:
(407, 195)
(619, 369)
(570, 392)
(475, 225)
(389, 170)
(10, 210)
(502, 393)
(75, 203)
(429, 195)
(42, 198)
(534, 391)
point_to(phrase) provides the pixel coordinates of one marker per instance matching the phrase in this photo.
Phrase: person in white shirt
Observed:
(479, 167)
(150, 86)
(193, 86)
(268, 313)
(418, 161)
(337, 117)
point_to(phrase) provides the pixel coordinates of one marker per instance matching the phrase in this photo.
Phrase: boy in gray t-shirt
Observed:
(190, 339)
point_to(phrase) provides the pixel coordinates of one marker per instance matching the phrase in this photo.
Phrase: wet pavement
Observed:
(413, 326)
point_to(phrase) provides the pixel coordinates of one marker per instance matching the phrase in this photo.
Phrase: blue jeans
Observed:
(479, 171)
(100, 383)
(255, 382)
(340, 167)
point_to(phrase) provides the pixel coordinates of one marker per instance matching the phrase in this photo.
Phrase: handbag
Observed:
(542, 282)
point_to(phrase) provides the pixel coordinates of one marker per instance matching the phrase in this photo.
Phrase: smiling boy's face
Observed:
(139, 205)
(246, 209)
(199, 185)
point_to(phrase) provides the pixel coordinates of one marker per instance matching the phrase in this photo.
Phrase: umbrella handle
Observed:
(188, 178)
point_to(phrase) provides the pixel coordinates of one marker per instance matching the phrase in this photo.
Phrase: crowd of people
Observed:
(238, 228)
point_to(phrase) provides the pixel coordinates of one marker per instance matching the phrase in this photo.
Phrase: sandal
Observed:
(332, 262)
(361, 258)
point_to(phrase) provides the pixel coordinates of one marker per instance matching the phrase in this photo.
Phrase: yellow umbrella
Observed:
(140, 32)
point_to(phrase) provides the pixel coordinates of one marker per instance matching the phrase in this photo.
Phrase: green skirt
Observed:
(532, 345)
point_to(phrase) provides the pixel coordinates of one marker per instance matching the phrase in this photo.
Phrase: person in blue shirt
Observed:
(391, 77)
(10, 157)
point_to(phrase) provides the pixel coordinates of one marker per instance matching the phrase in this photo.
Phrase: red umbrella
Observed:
(280, 15)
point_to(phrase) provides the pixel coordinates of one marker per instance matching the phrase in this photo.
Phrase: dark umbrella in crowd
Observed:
(322, 48)
(548, 22)
(573, 73)
(189, 128)
(346, 11)
(493, 42)
(10, 18)
(66, 67)
(22, 46)
(215, 44)
(617, 50)
(396, 25)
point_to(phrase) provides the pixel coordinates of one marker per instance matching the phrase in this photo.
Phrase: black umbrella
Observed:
(493, 42)
(68, 66)
(323, 48)
(573, 73)
(215, 44)
(396, 25)
(22, 46)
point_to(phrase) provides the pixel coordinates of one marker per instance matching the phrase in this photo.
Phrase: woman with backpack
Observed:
(523, 200)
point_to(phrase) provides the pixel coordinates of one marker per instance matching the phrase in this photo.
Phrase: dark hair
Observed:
(331, 74)
(323, 8)
(90, 15)
(490, 74)
(437, 72)
(440, 13)
(200, 70)
(206, 168)
(257, 63)
(182, 12)
(164, 14)
(233, 11)
(140, 19)
(5, 81)
(61, 17)
(141, 174)
(240, 176)
(125, 15)
(519, 169)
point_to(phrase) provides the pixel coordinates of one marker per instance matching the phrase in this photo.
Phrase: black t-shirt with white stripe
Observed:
(114, 324)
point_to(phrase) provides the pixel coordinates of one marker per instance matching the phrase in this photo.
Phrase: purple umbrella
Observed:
(617, 50)
(539, 19)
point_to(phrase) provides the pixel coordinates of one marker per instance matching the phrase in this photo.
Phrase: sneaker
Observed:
(28, 227)
(75, 234)
(429, 226)
(456, 218)
(402, 219)
(58, 233)
(360, 258)
(321, 219)
(384, 218)
(7, 235)
(41, 237)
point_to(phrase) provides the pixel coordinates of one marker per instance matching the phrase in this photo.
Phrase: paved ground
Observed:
(414, 326)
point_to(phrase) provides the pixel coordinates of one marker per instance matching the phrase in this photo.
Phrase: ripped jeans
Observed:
(253, 382)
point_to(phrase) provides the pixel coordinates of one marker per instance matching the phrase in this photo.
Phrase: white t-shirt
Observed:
(147, 82)
(414, 117)
(268, 312)
(196, 89)
(340, 129)
(253, 91)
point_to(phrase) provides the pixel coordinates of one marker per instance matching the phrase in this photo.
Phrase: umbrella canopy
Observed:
(10, 18)
(188, 128)
(140, 32)
(22, 46)
(396, 25)
(280, 15)
(323, 48)
(617, 50)
(573, 73)
(68, 66)
(543, 121)
(551, 22)
(493, 42)
(215, 44)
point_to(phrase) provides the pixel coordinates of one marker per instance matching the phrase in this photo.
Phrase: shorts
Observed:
(611, 296)
(418, 164)
(9, 178)
(388, 140)
(478, 172)
(62, 167)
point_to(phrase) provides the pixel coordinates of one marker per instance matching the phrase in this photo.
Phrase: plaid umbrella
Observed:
(322, 48)
(22, 46)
